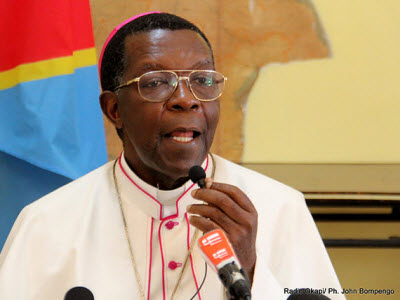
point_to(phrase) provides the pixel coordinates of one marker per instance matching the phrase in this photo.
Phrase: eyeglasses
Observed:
(158, 86)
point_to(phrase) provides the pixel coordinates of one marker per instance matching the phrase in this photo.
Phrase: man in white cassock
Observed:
(128, 229)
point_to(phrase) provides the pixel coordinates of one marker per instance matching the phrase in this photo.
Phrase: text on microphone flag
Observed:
(212, 239)
(216, 249)
(220, 254)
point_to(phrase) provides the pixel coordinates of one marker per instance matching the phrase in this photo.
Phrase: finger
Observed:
(235, 193)
(209, 182)
(215, 214)
(203, 224)
(224, 203)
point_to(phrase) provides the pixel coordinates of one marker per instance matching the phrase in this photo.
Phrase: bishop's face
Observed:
(163, 140)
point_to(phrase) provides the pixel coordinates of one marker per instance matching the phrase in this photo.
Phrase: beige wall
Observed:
(368, 268)
(320, 114)
(342, 109)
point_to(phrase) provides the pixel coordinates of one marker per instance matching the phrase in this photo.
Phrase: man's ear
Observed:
(109, 106)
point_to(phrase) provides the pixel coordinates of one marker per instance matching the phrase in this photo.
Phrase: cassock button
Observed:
(173, 265)
(171, 224)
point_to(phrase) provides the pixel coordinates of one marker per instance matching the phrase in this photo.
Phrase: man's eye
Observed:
(203, 81)
(153, 83)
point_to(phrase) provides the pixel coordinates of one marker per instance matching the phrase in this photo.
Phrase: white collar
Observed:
(150, 199)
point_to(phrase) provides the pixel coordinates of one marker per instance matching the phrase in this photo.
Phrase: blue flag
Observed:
(51, 126)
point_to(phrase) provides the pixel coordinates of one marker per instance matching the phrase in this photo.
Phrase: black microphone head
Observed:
(197, 175)
(79, 293)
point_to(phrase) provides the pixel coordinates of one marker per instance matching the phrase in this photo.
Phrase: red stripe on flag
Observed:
(82, 24)
(32, 30)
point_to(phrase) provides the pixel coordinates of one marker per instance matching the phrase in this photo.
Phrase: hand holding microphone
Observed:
(229, 209)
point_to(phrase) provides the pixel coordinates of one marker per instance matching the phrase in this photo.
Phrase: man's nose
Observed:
(182, 98)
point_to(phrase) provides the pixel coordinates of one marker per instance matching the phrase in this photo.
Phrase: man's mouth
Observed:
(183, 136)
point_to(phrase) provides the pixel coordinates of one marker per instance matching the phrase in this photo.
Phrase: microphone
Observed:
(79, 293)
(218, 252)
(197, 175)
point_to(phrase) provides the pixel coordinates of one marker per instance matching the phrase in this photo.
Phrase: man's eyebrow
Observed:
(150, 67)
(202, 63)
(153, 66)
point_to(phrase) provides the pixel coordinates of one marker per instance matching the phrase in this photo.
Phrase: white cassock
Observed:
(75, 236)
